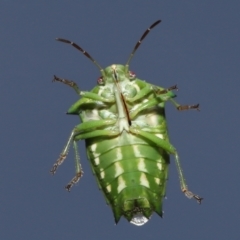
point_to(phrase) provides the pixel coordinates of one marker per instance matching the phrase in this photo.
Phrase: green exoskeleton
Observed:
(123, 123)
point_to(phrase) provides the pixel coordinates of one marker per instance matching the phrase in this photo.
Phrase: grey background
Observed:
(196, 46)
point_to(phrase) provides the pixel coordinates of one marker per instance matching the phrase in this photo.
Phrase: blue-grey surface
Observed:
(196, 46)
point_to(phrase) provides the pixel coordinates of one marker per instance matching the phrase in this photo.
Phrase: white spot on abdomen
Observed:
(121, 184)
(102, 174)
(119, 153)
(96, 160)
(94, 147)
(159, 135)
(157, 181)
(118, 169)
(136, 150)
(109, 188)
(159, 166)
(141, 165)
(143, 180)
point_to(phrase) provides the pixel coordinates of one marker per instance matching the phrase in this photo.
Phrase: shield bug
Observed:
(124, 126)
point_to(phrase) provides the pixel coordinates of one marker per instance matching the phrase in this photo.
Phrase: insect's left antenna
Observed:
(140, 41)
(81, 50)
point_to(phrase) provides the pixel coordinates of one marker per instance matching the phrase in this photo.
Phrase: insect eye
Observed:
(100, 81)
(132, 75)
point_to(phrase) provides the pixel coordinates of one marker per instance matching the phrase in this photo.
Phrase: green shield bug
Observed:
(124, 126)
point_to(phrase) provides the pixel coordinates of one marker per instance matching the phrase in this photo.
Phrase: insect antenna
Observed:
(81, 50)
(140, 41)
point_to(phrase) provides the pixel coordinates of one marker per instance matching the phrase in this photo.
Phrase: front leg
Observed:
(67, 82)
(90, 95)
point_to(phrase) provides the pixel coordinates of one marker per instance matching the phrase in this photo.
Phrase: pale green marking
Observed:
(121, 184)
(136, 150)
(95, 114)
(97, 160)
(109, 188)
(152, 119)
(94, 147)
(142, 165)
(160, 166)
(160, 135)
(102, 174)
(118, 169)
(93, 150)
(144, 181)
(157, 180)
(119, 153)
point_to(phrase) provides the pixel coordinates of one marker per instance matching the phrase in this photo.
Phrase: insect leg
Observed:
(184, 107)
(67, 82)
(163, 93)
(167, 146)
(84, 127)
(81, 128)
(170, 149)
(82, 131)
(93, 125)
(151, 103)
(96, 133)
(96, 97)
(183, 183)
(79, 171)
(90, 95)
(160, 90)
(63, 154)
(145, 90)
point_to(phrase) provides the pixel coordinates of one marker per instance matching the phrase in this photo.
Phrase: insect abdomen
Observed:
(131, 173)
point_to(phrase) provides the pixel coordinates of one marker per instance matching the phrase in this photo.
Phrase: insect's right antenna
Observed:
(81, 50)
(140, 41)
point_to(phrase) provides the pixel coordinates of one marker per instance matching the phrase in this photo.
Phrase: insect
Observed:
(124, 126)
